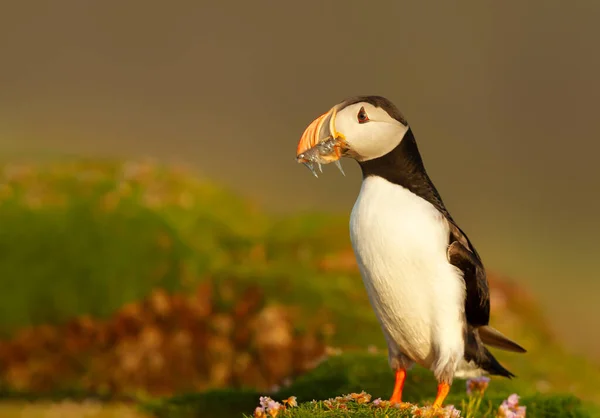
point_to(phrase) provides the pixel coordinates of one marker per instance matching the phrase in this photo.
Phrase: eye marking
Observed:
(362, 116)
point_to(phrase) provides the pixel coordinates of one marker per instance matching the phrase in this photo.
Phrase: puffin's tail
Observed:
(476, 352)
(489, 363)
(495, 338)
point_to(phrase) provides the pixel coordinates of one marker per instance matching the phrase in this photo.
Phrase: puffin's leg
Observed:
(449, 347)
(398, 386)
(400, 364)
(444, 370)
(442, 392)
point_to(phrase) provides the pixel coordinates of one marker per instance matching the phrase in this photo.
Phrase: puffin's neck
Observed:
(403, 165)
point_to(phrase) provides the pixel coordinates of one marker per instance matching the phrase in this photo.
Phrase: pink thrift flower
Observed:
(510, 408)
(259, 412)
(452, 411)
(478, 384)
(264, 400)
(273, 406)
(513, 400)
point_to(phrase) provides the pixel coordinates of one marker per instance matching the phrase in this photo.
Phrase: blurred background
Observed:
(150, 193)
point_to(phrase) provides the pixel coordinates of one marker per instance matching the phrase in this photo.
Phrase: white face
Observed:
(370, 132)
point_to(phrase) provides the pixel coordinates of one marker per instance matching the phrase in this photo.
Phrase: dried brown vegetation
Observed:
(164, 344)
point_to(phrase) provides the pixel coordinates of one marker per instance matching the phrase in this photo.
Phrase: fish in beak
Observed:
(321, 143)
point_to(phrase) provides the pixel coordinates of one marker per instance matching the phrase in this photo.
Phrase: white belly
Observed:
(400, 243)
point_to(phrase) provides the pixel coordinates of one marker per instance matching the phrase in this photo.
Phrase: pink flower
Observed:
(513, 400)
(259, 412)
(478, 384)
(267, 406)
(510, 408)
(427, 411)
(452, 411)
(273, 406)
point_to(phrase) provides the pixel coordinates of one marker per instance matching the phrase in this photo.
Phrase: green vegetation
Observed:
(537, 407)
(357, 372)
(105, 233)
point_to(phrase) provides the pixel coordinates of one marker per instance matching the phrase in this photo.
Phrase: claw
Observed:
(339, 165)
(320, 167)
(311, 168)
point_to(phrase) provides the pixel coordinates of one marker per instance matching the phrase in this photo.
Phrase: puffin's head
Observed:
(366, 127)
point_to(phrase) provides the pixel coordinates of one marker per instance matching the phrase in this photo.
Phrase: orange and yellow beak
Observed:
(319, 131)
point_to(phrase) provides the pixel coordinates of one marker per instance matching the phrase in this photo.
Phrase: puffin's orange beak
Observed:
(320, 130)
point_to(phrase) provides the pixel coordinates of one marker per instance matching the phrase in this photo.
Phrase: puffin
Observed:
(424, 278)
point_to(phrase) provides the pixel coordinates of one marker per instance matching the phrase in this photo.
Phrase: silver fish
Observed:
(314, 155)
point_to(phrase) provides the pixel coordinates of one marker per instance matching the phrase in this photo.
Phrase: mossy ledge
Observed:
(354, 373)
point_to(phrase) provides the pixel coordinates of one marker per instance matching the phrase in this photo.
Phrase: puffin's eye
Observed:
(362, 116)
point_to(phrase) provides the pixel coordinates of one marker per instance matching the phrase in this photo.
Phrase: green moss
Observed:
(54, 265)
(86, 237)
(557, 406)
(565, 406)
(353, 373)
(218, 403)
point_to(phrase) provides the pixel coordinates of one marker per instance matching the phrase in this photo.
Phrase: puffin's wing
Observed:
(461, 255)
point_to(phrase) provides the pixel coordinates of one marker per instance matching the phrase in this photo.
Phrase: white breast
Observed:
(400, 243)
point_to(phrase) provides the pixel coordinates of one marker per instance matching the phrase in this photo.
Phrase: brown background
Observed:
(502, 96)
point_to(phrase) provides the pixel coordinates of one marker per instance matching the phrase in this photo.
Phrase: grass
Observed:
(109, 232)
(536, 407)
(355, 373)
(105, 233)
